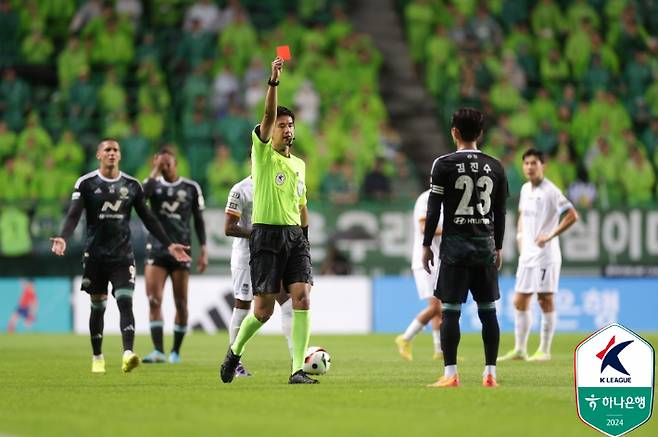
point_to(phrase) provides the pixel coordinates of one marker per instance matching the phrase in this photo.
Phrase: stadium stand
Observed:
(577, 83)
(190, 74)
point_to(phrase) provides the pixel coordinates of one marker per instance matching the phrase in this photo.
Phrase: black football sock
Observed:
(156, 335)
(490, 332)
(450, 333)
(127, 321)
(179, 334)
(96, 324)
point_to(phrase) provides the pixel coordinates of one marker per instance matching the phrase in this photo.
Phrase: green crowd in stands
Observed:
(190, 74)
(576, 79)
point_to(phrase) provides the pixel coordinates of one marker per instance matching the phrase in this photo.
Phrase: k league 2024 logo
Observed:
(614, 375)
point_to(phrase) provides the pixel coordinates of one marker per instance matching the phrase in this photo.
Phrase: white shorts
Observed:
(242, 284)
(538, 279)
(425, 282)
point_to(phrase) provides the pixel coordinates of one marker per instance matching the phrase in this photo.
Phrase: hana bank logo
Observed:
(610, 358)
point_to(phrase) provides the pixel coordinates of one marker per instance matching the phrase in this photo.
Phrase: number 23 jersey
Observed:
(473, 190)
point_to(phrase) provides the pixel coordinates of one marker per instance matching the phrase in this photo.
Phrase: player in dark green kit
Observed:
(174, 200)
(108, 197)
(279, 249)
(472, 188)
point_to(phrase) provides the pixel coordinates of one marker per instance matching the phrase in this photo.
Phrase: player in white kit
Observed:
(425, 285)
(540, 207)
(238, 225)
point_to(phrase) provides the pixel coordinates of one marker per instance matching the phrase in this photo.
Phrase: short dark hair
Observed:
(166, 150)
(106, 140)
(469, 122)
(282, 111)
(533, 152)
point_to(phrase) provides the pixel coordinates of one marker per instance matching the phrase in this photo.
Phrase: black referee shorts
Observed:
(279, 255)
(456, 280)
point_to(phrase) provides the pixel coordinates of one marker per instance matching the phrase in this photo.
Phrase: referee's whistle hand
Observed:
(428, 258)
(179, 251)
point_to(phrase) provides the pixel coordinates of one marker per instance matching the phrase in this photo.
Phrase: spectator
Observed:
(37, 48)
(71, 62)
(513, 71)
(7, 141)
(240, 36)
(206, 13)
(582, 194)
(307, 104)
(149, 49)
(151, 124)
(336, 187)
(406, 181)
(195, 48)
(69, 155)
(554, 72)
(89, 10)
(376, 185)
(222, 173)
(130, 10)
(650, 137)
(111, 94)
(14, 99)
(578, 48)
(82, 100)
(484, 27)
(638, 75)
(154, 94)
(117, 126)
(197, 137)
(224, 88)
(638, 179)
(419, 17)
(134, 150)
(335, 262)
(604, 172)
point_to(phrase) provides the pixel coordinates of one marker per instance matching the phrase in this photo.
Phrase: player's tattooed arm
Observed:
(70, 222)
(200, 228)
(233, 229)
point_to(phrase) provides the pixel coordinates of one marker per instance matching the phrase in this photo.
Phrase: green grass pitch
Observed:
(46, 388)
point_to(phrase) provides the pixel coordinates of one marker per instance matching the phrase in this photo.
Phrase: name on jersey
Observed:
(471, 221)
(473, 166)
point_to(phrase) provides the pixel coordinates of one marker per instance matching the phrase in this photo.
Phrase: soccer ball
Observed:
(317, 361)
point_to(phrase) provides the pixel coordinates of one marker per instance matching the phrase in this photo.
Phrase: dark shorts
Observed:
(279, 255)
(97, 274)
(23, 312)
(166, 261)
(456, 280)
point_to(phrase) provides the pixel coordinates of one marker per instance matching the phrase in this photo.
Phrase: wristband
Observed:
(271, 82)
(305, 232)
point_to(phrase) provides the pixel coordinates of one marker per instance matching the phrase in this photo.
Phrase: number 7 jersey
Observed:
(472, 187)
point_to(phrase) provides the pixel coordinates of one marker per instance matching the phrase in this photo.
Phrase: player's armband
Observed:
(436, 189)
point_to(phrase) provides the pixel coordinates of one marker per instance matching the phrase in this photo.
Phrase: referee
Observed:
(280, 255)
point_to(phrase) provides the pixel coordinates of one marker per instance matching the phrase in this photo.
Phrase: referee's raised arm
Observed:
(269, 117)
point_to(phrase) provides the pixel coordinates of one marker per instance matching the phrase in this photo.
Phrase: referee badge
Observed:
(280, 178)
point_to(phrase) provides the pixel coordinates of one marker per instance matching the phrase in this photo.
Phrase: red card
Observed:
(283, 52)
